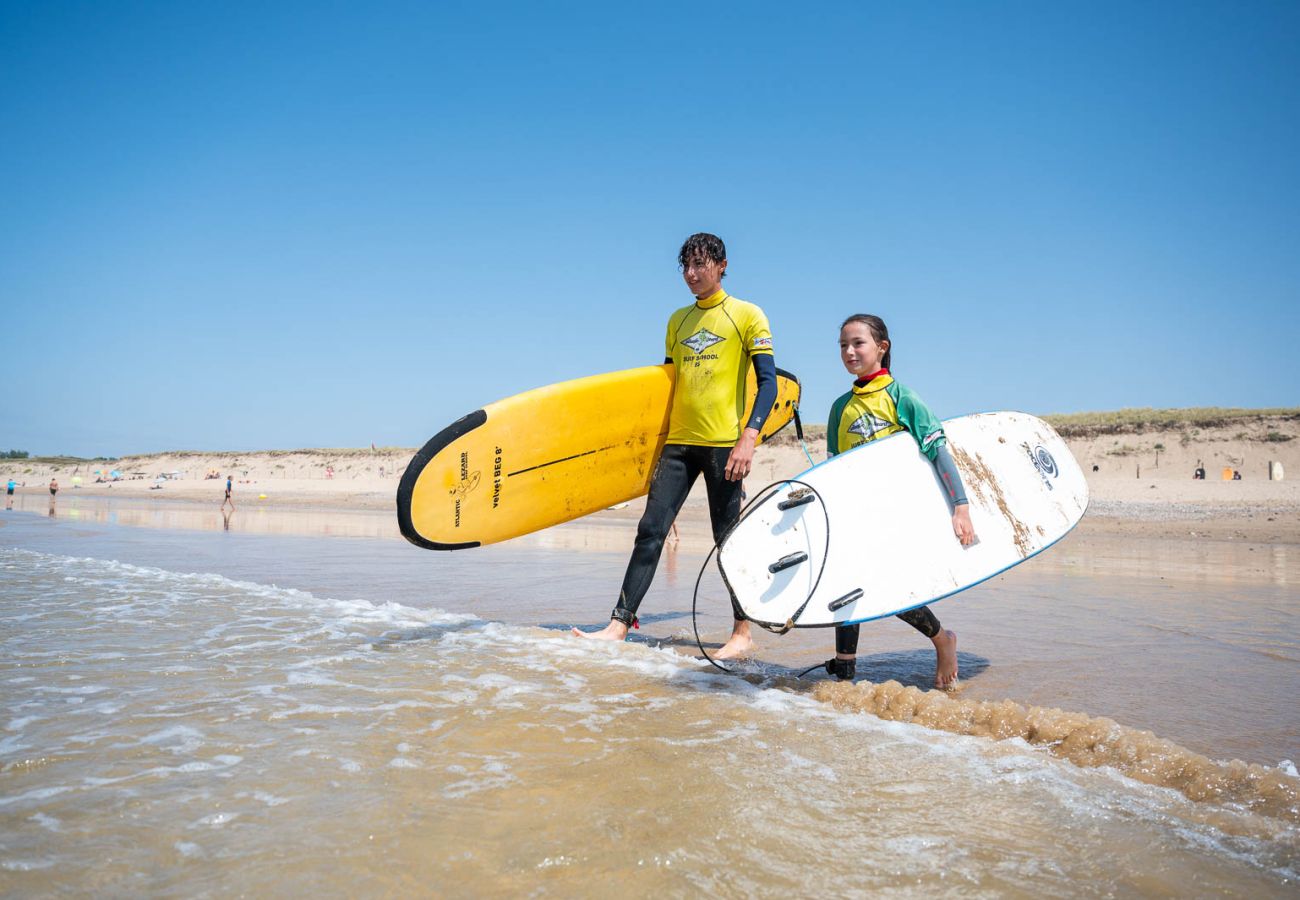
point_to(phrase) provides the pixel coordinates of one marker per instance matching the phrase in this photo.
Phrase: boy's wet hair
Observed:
(703, 244)
(879, 332)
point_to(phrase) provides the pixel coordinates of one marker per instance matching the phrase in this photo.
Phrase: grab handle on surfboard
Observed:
(841, 602)
(795, 498)
(785, 562)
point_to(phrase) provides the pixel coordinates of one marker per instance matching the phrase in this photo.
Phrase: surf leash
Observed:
(798, 430)
(802, 495)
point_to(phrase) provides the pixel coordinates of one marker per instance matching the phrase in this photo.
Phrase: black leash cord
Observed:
(764, 494)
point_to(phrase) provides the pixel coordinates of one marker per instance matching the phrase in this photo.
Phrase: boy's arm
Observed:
(741, 458)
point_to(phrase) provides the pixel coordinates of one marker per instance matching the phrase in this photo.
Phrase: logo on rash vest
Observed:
(761, 342)
(702, 340)
(868, 426)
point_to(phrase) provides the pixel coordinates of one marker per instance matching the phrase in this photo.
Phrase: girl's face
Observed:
(859, 351)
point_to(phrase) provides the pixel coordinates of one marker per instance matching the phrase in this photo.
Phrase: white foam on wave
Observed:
(93, 572)
(179, 739)
(1010, 765)
(49, 823)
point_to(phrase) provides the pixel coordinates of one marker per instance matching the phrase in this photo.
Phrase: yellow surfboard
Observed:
(547, 456)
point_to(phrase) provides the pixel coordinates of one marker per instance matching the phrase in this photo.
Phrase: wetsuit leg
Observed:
(724, 495)
(724, 499)
(674, 474)
(922, 620)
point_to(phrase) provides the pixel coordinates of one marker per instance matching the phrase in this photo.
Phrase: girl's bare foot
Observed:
(739, 645)
(614, 631)
(945, 669)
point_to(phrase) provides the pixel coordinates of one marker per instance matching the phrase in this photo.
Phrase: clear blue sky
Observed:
(254, 225)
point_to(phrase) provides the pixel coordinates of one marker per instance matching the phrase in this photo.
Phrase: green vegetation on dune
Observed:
(69, 460)
(1146, 418)
(1130, 421)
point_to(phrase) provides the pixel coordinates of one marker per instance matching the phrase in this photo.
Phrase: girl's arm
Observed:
(947, 469)
(926, 428)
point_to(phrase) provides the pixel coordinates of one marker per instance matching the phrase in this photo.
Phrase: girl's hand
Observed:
(961, 525)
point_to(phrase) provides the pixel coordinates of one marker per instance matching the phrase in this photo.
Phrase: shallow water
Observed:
(212, 712)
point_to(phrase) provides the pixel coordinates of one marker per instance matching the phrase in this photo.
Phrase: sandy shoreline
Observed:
(1141, 485)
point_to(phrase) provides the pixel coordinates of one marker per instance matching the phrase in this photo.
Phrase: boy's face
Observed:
(702, 275)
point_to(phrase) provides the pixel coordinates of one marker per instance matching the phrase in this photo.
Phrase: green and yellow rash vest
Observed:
(710, 344)
(882, 407)
(877, 409)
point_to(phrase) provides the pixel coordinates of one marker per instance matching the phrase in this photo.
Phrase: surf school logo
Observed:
(702, 340)
(1044, 463)
(868, 426)
(761, 342)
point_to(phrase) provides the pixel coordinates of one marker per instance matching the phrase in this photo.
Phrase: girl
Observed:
(876, 407)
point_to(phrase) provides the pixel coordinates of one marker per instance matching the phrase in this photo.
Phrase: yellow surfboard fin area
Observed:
(547, 456)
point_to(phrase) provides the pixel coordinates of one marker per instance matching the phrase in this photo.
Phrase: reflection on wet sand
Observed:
(145, 513)
(1100, 624)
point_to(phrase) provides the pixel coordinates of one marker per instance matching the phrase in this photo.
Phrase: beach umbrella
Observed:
(115, 474)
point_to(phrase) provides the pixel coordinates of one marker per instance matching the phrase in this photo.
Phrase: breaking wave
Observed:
(1087, 741)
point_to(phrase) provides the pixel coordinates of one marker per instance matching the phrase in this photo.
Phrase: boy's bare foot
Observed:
(945, 669)
(614, 631)
(739, 645)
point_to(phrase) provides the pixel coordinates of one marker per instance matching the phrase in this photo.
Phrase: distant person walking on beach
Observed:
(54, 487)
(9, 499)
(876, 407)
(229, 499)
(711, 343)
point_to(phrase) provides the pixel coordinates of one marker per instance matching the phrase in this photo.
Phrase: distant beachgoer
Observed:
(711, 343)
(229, 499)
(54, 487)
(1096, 468)
(9, 502)
(329, 471)
(1199, 474)
(877, 407)
(1236, 476)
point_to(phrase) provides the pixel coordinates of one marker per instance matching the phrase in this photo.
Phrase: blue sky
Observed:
(243, 226)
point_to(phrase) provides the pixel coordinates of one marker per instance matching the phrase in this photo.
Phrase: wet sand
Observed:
(1190, 637)
(304, 702)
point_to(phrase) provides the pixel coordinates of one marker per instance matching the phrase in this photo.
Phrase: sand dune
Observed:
(1143, 479)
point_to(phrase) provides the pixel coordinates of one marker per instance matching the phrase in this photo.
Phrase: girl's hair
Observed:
(879, 332)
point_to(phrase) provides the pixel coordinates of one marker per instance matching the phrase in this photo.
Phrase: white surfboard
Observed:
(868, 533)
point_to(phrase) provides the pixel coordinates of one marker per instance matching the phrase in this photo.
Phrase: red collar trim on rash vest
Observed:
(866, 379)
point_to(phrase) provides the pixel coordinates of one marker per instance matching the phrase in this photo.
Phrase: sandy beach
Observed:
(1142, 483)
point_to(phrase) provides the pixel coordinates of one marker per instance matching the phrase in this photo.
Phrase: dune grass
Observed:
(1148, 419)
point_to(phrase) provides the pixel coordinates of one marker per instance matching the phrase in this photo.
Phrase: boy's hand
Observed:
(961, 525)
(742, 456)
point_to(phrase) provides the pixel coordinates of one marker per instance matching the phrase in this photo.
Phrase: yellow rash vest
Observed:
(710, 344)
